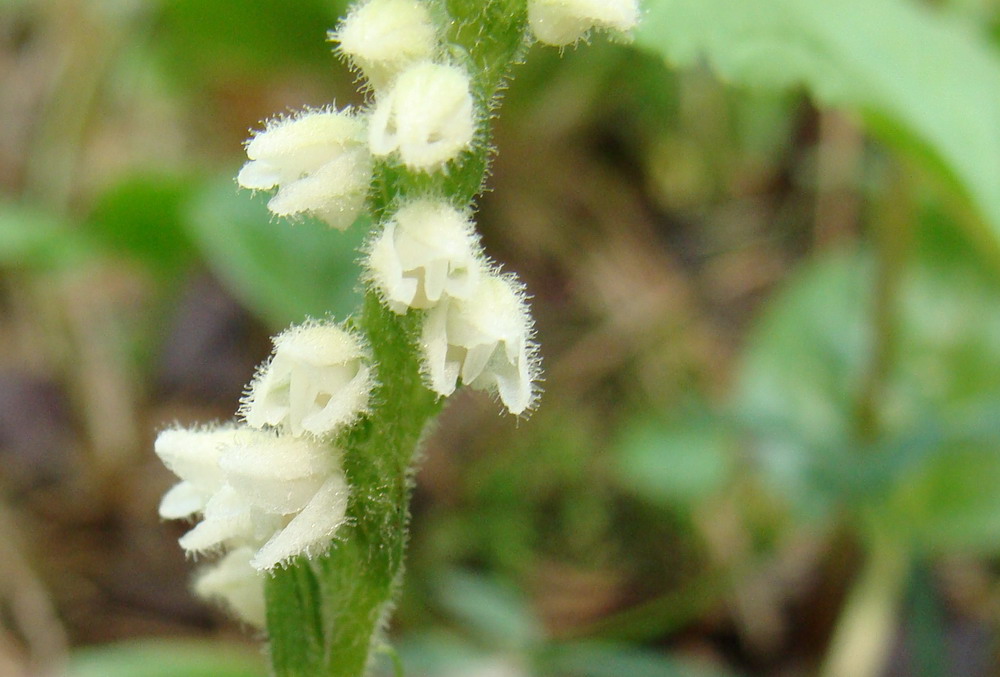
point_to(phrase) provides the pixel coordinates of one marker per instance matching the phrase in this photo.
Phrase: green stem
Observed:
(325, 615)
(866, 628)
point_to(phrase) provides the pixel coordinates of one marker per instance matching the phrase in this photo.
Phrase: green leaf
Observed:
(202, 41)
(283, 271)
(931, 472)
(674, 462)
(31, 238)
(166, 658)
(498, 614)
(916, 76)
(142, 217)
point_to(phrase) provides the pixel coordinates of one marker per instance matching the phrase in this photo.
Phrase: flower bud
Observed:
(563, 22)
(318, 161)
(381, 37)
(317, 382)
(428, 249)
(426, 116)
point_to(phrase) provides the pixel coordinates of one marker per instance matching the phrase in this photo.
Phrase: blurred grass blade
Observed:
(163, 658)
(604, 659)
(919, 79)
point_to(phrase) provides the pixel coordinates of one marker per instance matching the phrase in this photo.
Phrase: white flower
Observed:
(318, 161)
(486, 340)
(563, 22)
(427, 116)
(316, 382)
(192, 455)
(382, 36)
(310, 532)
(236, 584)
(427, 250)
(281, 496)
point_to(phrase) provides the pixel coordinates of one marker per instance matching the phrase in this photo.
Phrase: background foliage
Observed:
(762, 241)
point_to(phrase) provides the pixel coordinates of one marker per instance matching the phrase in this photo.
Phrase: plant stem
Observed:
(865, 631)
(325, 615)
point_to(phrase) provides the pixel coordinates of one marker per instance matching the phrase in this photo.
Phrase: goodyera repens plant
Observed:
(305, 499)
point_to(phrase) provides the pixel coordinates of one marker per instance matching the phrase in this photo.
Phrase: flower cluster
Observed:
(563, 22)
(272, 489)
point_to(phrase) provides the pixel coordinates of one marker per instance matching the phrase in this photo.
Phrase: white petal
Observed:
(277, 475)
(341, 408)
(182, 500)
(237, 585)
(193, 455)
(334, 192)
(259, 175)
(309, 139)
(229, 520)
(439, 361)
(309, 532)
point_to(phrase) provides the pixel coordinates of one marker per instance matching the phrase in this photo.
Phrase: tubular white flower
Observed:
(192, 455)
(427, 116)
(318, 161)
(486, 340)
(381, 37)
(563, 22)
(427, 250)
(236, 585)
(317, 381)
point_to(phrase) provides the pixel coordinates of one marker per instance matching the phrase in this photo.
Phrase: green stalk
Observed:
(325, 616)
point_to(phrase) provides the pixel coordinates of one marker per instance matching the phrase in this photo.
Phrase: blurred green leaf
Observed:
(802, 369)
(439, 654)
(283, 271)
(497, 614)
(674, 462)
(208, 40)
(598, 659)
(33, 238)
(142, 217)
(918, 77)
(166, 658)
(933, 469)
